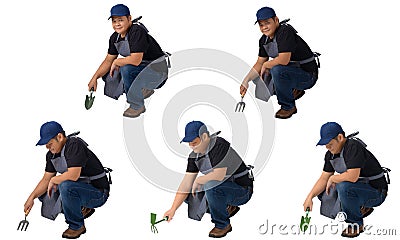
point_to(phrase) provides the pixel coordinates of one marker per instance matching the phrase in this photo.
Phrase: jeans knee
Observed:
(276, 70)
(65, 186)
(343, 187)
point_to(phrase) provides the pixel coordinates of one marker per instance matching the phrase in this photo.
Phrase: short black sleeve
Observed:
(328, 166)
(112, 50)
(261, 50)
(191, 166)
(49, 165)
(286, 39)
(353, 155)
(75, 153)
(138, 41)
(218, 153)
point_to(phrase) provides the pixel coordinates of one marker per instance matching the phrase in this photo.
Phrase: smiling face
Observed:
(121, 24)
(269, 26)
(56, 144)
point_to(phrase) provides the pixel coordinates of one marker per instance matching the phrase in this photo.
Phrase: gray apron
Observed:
(265, 88)
(197, 205)
(114, 86)
(52, 206)
(330, 203)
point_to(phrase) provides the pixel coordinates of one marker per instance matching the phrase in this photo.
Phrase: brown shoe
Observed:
(232, 210)
(72, 234)
(353, 231)
(219, 233)
(298, 93)
(366, 211)
(87, 212)
(147, 93)
(283, 114)
(132, 113)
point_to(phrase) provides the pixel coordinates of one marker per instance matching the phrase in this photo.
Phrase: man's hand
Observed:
(308, 203)
(52, 187)
(330, 185)
(28, 205)
(196, 187)
(264, 70)
(170, 214)
(244, 87)
(113, 68)
(92, 84)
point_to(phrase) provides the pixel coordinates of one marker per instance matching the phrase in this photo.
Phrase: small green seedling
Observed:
(305, 221)
(153, 222)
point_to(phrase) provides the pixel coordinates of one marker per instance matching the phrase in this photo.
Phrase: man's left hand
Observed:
(330, 185)
(52, 187)
(196, 187)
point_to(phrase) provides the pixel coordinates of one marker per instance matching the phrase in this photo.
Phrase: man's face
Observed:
(121, 24)
(55, 145)
(198, 145)
(268, 27)
(334, 146)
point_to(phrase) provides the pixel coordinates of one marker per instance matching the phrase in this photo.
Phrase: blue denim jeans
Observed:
(287, 78)
(138, 77)
(355, 195)
(220, 195)
(74, 196)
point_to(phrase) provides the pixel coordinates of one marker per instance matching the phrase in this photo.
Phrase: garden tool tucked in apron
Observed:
(52, 206)
(265, 88)
(114, 86)
(330, 204)
(197, 205)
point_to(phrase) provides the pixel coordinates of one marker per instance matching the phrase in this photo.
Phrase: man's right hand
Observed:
(92, 84)
(170, 214)
(28, 205)
(244, 87)
(308, 203)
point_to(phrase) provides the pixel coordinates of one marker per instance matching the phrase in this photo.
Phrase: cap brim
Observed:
(42, 141)
(324, 141)
(188, 139)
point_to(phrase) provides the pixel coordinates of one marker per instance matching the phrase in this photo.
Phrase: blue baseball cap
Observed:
(329, 131)
(265, 13)
(119, 10)
(193, 130)
(48, 131)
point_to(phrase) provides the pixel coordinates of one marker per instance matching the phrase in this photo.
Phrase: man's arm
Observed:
(39, 190)
(254, 73)
(134, 59)
(181, 194)
(318, 188)
(72, 174)
(282, 59)
(351, 175)
(104, 68)
(217, 174)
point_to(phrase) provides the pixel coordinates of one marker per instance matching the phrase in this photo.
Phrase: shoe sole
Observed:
(149, 95)
(214, 236)
(366, 214)
(348, 236)
(89, 214)
(130, 116)
(300, 95)
(75, 237)
(234, 212)
(286, 117)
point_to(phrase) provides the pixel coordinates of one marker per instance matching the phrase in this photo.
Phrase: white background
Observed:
(51, 49)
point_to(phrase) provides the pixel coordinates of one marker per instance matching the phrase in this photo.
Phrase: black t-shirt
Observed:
(288, 41)
(139, 41)
(357, 156)
(77, 154)
(221, 155)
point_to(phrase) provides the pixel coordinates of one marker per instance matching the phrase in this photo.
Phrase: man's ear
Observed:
(204, 136)
(341, 137)
(60, 137)
(129, 18)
